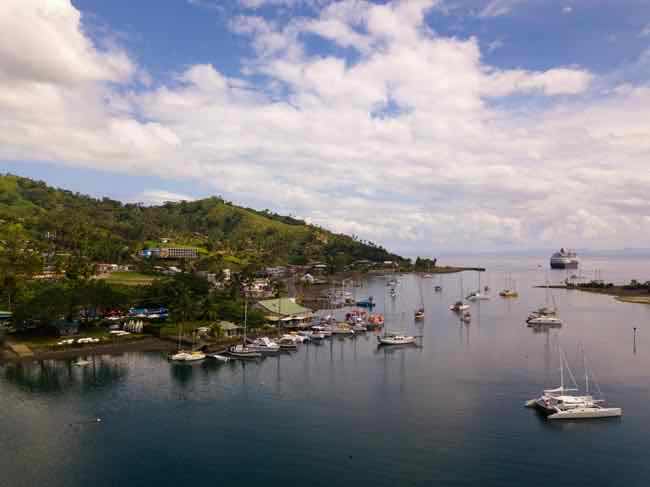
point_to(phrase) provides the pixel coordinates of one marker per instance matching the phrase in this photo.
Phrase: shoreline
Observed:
(617, 292)
(147, 344)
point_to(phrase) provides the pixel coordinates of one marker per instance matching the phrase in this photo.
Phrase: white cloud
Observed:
(418, 144)
(567, 10)
(494, 45)
(497, 8)
(159, 196)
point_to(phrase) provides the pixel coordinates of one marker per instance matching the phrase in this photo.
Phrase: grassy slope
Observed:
(112, 231)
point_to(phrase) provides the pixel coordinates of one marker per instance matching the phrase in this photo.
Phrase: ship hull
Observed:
(564, 265)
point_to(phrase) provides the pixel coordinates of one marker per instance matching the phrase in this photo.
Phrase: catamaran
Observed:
(562, 402)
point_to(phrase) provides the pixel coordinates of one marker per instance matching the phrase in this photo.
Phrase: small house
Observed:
(285, 311)
(229, 329)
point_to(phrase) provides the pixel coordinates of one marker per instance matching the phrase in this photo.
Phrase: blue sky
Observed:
(464, 123)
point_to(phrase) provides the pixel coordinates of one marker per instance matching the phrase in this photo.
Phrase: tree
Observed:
(18, 260)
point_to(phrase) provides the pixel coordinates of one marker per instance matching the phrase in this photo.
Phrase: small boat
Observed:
(184, 356)
(264, 345)
(218, 357)
(437, 289)
(342, 329)
(459, 306)
(366, 303)
(547, 320)
(81, 363)
(243, 352)
(318, 336)
(359, 328)
(477, 296)
(322, 330)
(419, 314)
(467, 317)
(395, 339)
(427, 276)
(509, 293)
(287, 344)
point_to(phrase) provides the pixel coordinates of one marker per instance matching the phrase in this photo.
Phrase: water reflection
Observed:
(57, 376)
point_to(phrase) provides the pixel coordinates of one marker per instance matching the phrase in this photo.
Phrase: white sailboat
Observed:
(242, 350)
(545, 316)
(394, 338)
(459, 306)
(478, 295)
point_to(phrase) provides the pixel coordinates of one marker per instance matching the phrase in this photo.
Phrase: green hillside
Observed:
(61, 222)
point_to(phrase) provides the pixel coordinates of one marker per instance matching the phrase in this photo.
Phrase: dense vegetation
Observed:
(67, 234)
(79, 229)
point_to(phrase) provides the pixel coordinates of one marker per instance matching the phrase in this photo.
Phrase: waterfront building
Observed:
(285, 311)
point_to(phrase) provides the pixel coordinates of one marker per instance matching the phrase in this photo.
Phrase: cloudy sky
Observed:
(424, 125)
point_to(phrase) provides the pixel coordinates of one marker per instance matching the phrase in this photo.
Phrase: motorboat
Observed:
(467, 317)
(318, 336)
(477, 296)
(459, 306)
(185, 356)
(509, 293)
(342, 329)
(287, 343)
(264, 345)
(395, 339)
(544, 320)
(81, 363)
(322, 330)
(218, 357)
(241, 351)
(419, 314)
(437, 289)
(359, 328)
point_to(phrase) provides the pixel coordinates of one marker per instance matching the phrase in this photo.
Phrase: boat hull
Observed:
(587, 413)
(564, 265)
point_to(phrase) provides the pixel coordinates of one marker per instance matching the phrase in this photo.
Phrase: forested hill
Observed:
(106, 230)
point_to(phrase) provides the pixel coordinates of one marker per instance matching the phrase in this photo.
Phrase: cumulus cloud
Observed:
(417, 143)
(645, 32)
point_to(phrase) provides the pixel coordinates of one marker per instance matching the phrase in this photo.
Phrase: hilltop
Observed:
(59, 221)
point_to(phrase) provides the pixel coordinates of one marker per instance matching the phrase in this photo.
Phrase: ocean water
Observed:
(345, 412)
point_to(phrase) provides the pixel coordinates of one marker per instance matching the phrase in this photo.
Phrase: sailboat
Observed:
(394, 338)
(459, 306)
(242, 350)
(510, 289)
(478, 295)
(545, 315)
(560, 403)
(183, 355)
(419, 313)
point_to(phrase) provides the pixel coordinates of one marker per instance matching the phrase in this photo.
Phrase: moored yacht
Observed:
(396, 339)
(264, 345)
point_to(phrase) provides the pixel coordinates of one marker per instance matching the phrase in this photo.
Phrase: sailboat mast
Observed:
(561, 370)
(245, 316)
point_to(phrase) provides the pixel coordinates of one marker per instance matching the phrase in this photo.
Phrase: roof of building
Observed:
(227, 326)
(283, 306)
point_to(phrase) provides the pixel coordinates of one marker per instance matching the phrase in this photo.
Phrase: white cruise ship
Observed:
(564, 259)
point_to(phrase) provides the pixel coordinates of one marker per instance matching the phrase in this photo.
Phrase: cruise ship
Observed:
(564, 259)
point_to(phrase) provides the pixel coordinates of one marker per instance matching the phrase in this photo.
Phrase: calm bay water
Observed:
(447, 413)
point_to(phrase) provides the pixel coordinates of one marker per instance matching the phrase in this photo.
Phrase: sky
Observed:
(423, 125)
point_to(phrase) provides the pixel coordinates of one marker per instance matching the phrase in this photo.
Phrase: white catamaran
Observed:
(565, 403)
